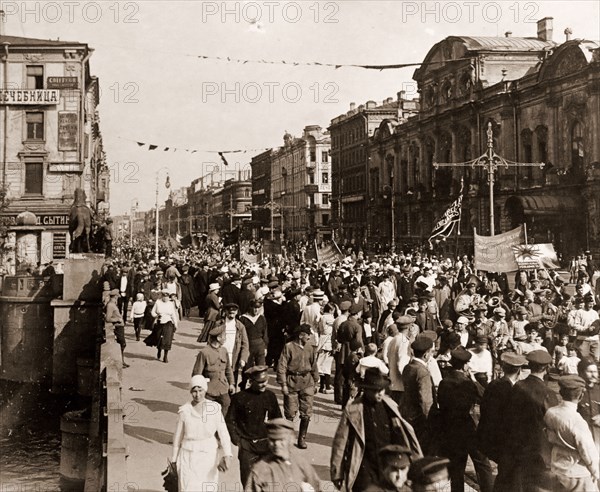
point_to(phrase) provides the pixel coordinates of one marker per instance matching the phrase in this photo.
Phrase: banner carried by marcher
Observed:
(330, 253)
(444, 227)
(249, 254)
(534, 256)
(495, 253)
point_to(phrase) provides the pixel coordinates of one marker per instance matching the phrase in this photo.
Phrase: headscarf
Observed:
(199, 380)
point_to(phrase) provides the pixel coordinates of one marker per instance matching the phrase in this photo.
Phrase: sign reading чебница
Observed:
(29, 96)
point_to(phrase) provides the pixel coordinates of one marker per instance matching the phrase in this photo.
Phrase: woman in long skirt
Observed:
(196, 450)
(325, 348)
(162, 335)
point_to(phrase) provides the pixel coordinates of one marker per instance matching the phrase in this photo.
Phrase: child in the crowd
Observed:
(137, 310)
(561, 350)
(568, 365)
(371, 360)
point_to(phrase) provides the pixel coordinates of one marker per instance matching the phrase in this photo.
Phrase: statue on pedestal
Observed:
(80, 224)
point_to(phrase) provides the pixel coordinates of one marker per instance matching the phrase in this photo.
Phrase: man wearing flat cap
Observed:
(575, 461)
(429, 474)
(395, 460)
(246, 419)
(236, 339)
(281, 469)
(494, 409)
(419, 392)
(298, 375)
(369, 423)
(530, 399)
(213, 363)
(457, 394)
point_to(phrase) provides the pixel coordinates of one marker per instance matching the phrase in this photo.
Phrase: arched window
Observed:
(577, 150)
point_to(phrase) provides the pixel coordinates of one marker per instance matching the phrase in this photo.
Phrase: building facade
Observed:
(51, 144)
(262, 198)
(301, 186)
(350, 135)
(541, 100)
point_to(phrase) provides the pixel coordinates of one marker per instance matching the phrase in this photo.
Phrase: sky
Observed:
(156, 88)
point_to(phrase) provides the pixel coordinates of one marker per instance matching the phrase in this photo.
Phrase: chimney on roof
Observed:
(568, 32)
(371, 104)
(401, 95)
(389, 100)
(508, 34)
(544, 29)
(352, 106)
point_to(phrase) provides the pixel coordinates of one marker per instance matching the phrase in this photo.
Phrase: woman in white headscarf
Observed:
(196, 450)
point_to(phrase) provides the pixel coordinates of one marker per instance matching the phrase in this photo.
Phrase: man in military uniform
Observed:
(457, 394)
(530, 399)
(491, 431)
(395, 460)
(213, 363)
(429, 474)
(298, 376)
(246, 419)
(280, 469)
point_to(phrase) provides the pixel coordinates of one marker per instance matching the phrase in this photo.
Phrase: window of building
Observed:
(325, 178)
(35, 77)
(311, 179)
(324, 156)
(35, 125)
(325, 219)
(325, 199)
(313, 155)
(577, 149)
(34, 176)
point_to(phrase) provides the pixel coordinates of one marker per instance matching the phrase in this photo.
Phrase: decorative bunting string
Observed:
(319, 64)
(170, 148)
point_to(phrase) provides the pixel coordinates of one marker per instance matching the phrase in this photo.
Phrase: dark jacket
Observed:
(491, 431)
(419, 393)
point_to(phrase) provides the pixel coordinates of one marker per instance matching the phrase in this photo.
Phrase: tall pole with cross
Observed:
(490, 161)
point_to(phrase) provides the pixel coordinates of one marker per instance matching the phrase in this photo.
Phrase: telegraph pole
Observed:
(490, 162)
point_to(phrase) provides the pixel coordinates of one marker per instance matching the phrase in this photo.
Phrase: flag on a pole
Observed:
(534, 256)
(495, 253)
(445, 225)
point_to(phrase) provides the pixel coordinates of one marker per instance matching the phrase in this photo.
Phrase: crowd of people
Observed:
(431, 362)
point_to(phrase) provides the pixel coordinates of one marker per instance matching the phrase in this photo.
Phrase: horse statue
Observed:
(80, 223)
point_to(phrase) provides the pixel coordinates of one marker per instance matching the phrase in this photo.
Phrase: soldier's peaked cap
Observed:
(279, 428)
(541, 357)
(258, 373)
(428, 470)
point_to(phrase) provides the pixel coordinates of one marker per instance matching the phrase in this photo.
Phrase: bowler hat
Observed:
(374, 379)
(461, 354)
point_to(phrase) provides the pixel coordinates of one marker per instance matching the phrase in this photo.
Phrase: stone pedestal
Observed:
(77, 317)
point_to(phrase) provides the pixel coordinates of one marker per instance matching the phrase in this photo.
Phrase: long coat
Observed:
(346, 460)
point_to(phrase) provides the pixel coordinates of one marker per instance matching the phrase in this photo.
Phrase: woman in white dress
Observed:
(196, 450)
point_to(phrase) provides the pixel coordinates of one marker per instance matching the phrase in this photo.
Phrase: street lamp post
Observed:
(167, 185)
(490, 162)
(134, 206)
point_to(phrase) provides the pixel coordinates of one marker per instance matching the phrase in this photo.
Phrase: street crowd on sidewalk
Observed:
(431, 362)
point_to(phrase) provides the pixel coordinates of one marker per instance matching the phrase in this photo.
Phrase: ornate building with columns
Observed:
(542, 99)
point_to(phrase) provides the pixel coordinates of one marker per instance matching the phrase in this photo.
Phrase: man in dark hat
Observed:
(454, 426)
(575, 460)
(236, 339)
(258, 339)
(419, 393)
(395, 461)
(529, 401)
(213, 363)
(494, 409)
(246, 419)
(429, 474)
(298, 375)
(369, 423)
(281, 468)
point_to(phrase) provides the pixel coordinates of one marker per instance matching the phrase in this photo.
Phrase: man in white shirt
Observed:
(398, 356)
(581, 322)
(574, 458)
(481, 364)
(426, 278)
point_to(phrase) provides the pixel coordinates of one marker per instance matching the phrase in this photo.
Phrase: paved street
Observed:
(154, 391)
